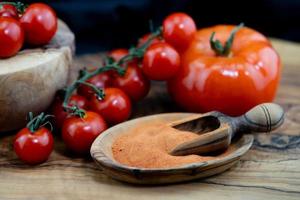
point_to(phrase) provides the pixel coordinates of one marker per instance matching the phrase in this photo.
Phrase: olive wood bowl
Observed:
(101, 152)
(30, 79)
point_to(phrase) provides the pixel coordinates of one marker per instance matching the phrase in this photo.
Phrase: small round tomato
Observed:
(40, 24)
(60, 114)
(115, 107)
(8, 10)
(118, 54)
(179, 30)
(79, 133)
(100, 81)
(145, 38)
(33, 147)
(133, 83)
(11, 37)
(161, 61)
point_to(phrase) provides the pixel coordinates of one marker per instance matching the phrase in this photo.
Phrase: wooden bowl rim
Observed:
(107, 162)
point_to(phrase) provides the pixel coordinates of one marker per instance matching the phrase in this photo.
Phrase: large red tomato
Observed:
(248, 75)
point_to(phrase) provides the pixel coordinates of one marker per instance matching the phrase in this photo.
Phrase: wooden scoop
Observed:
(218, 129)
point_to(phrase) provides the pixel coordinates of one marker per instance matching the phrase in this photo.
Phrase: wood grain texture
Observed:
(270, 170)
(29, 80)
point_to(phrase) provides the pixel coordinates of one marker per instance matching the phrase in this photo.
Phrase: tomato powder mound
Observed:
(147, 146)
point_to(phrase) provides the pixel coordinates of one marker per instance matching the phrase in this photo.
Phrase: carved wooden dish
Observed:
(29, 80)
(102, 154)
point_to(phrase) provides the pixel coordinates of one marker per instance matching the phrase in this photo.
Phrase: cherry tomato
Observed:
(8, 10)
(161, 61)
(117, 54)
(133, 83)
(58, 110)
(40, 24)
(179, 30)
(100, 81)
(230, 84)
(33, 148)
(115, 107)
(11, 37)
(145, 38)
(79, 133)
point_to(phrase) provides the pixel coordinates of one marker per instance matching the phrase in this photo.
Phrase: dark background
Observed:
(104, 24)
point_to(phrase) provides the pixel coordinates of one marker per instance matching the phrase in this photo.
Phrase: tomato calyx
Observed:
(38, 121)
(225, 50)
(21, 7)
(76, 111)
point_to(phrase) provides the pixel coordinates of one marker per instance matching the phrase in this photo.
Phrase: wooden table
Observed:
(270, 170)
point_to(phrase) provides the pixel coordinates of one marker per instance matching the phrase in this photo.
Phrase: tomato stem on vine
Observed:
(98, 91)
(217, 46)
(38, 121)
(21, 7)
(110, 64)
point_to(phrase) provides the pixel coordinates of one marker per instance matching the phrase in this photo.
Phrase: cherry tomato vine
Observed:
(110, 64)
(21, 7)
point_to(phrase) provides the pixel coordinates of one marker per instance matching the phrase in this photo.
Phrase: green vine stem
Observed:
(21, 7)
(118, 66)
(38, 121)
(217, 46)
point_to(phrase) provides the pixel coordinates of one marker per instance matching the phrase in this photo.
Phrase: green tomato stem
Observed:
(225, 50)
(38, 121)
(21, 7)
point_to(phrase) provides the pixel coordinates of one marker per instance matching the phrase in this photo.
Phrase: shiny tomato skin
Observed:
(133, 83)
(179, 30)
(232, 85)
(145, 38)
(39, 22)
(117, 54)
(9, 11)
(33, 148)
(60, 115)
(115, 107)
(11, 37)
(102, 80)
(79, 133)
(160, 62)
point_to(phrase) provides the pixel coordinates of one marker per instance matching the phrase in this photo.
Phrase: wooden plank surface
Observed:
(270, 170)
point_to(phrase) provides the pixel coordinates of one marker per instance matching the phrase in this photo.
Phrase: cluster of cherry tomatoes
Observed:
(35, 25)
(160, 61)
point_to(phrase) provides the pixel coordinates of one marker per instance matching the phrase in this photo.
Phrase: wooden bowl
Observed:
(29, 80)
(102, 154)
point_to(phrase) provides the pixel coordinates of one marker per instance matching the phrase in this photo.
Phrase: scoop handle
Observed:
(262, 118)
